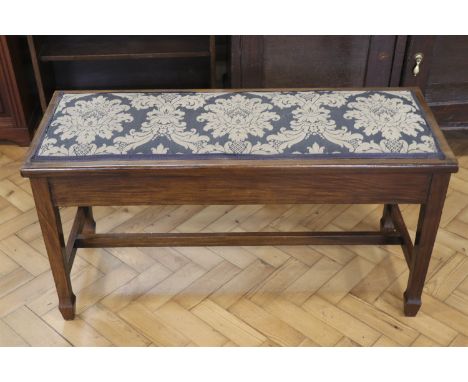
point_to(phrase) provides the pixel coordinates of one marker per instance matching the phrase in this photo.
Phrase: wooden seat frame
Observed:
(213, 181)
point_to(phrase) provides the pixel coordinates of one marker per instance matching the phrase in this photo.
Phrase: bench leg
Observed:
(386, 222)
(90, 224)
(51, 226)
(428, 224)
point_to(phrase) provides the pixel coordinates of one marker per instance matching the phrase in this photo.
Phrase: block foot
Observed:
(411, 306)
(67, 308)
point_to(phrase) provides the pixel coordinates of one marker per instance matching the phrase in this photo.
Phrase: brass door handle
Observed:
(418, 57)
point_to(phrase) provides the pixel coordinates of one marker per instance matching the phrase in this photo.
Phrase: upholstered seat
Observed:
(139, 148)
(310, 124)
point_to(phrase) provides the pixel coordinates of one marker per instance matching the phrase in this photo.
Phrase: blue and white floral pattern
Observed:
(311, 123)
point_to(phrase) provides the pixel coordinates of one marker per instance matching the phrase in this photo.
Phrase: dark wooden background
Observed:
(32, 67)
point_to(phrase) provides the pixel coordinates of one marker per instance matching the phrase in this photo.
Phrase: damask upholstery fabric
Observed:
(306, 124)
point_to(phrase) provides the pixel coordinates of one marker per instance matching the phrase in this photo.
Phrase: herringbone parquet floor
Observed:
(231, 296)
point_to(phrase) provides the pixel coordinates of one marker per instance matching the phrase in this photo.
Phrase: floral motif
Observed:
(141, 101)
(165, 120)
(335, 123)
(88, 119)
(316, 149)
(49, 147)
(332, 99)
(311, 118)
(67, 98)
(427, 145)
(388, 116)
(160, 149)
(238, 117)
(405, 95)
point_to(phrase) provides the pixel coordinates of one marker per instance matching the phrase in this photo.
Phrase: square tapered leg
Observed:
(51, 226)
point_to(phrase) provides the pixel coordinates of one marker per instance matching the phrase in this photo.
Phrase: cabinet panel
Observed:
(443, 76)
(447, 85)
(311, 61)
(320, 61)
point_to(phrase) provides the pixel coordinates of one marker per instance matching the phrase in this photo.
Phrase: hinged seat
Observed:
(286, 124)
(346, 146)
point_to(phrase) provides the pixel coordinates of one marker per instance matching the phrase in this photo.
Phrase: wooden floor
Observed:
(231, 296)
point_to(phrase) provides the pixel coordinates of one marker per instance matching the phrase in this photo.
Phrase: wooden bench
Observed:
(344, 146)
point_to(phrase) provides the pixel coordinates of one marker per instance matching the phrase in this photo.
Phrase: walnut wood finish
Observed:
(83, 224)
(51, 226)
(428, 224)
(400, 227)
(269, 181)
(242, 186)
(233, 238)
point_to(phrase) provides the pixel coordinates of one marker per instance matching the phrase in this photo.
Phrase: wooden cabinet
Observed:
(443, 76)
(346, 61)
(311, 61)
(18, 110)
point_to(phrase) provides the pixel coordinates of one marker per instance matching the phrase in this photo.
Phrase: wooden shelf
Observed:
(125, 62)
(95, 48)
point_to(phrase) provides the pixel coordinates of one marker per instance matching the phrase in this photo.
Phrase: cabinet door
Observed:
(311, 61)
(6, 118)
(443, 76)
